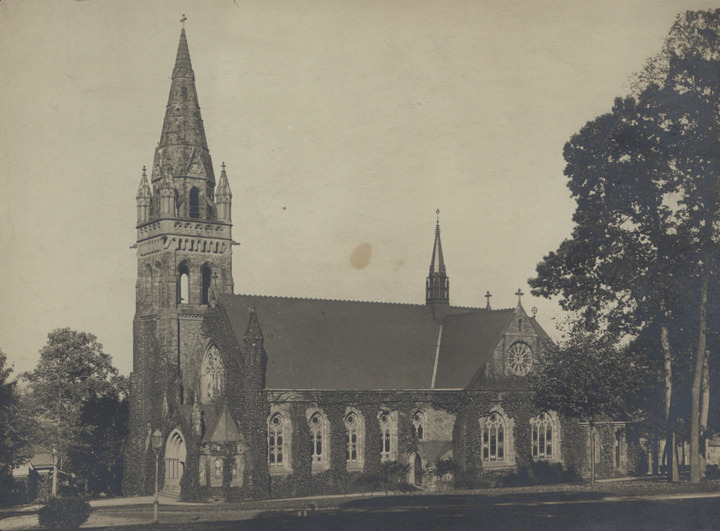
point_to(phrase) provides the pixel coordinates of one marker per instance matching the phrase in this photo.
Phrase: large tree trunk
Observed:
(705, 404)
(704, 411)
(670, 448)
(695, 462)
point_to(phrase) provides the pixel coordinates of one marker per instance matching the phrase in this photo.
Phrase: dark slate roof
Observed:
(332, 344)
(540, 331)
(468, 340)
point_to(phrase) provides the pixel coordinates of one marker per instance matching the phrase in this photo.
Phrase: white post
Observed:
(155, 501)
(55, 472)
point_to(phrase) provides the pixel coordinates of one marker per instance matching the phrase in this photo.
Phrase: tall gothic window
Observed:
(194, 202)
(276, 426)
(542, 439)
(317, 446)
(148, 284)
(418, 425)
(206, 273)
(212, 376)
(493, 438)
(184, 284)
(354, 439)
(351, 435)
(388, 427)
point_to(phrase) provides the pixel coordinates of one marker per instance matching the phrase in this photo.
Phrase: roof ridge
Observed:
(321, 299)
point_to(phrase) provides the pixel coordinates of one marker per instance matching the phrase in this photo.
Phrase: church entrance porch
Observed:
(175, 454)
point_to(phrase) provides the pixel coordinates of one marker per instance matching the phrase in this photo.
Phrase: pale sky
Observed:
(340, 122)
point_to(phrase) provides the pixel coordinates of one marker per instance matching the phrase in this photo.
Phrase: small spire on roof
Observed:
(437, 264)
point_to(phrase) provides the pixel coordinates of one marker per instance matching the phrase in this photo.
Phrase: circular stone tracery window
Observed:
(519, 359)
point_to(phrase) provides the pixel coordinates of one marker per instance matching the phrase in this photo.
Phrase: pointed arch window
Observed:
(354, 438)
(318, 441)
(276, 428)
(388, 435)
(184, 284)
(206, 273)
(493, 438)
(194, 202)
(545, 436)
(212, 376)
(148, 284)
(418, 426)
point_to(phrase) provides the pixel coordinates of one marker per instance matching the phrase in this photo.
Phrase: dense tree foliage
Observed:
(15, 429)
(643, 256)
(78, 401)
(589, 378)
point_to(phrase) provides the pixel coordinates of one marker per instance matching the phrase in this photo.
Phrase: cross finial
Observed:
(183, 19)
(437, 213)
(519, 294)
(534, 311)
(487, 296)
(144, 174)
(223, 166)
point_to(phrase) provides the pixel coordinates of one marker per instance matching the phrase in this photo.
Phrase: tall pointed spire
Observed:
(437, 286)
(183, 149)
(437, 250)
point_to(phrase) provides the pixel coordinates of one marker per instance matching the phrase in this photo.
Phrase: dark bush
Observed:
(65, 513)
(712, 472)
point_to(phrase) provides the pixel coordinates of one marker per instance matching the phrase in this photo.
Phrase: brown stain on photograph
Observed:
(361, 255)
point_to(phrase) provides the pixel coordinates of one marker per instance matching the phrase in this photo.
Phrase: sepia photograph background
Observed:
(343, 125)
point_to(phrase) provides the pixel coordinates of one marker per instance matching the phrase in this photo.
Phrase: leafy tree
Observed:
(96, 455)
(72, 384)
(14, 429)
(589, 378)
(646, 180)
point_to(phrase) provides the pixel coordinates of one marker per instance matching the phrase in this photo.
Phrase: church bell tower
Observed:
(184, 246)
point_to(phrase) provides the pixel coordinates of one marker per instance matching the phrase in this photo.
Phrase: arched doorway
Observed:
(417, 471)
(175, 453)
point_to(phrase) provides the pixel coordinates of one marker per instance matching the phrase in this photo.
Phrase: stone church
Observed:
(279, 396)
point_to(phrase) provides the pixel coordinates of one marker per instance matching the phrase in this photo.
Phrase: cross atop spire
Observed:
(519, 294)
(182, 20)
(487, 296)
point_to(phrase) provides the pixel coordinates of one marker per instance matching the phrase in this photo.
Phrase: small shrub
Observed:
(64, 514)
(712, 472)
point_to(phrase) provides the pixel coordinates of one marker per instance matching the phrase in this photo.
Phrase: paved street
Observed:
(549, 510)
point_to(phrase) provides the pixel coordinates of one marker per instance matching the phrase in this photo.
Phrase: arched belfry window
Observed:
(418, 426)
(184, 284)
(206, 282)
(212, 375)
(194, 202)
